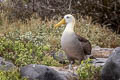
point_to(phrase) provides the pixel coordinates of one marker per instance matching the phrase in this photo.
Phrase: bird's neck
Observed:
(70, 27)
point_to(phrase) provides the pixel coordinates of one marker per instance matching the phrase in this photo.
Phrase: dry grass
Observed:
(98, 36)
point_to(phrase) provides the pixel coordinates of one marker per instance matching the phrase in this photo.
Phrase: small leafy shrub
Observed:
(19, 52)
(42, 34)
(11, 75)
(49, 61)
(25, 53)
(88, 71)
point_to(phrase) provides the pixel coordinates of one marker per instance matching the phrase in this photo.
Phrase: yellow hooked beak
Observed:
(60, 23)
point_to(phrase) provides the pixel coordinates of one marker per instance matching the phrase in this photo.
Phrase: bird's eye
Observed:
(67, 17)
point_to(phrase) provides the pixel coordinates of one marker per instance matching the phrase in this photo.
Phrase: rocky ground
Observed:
(42, 72)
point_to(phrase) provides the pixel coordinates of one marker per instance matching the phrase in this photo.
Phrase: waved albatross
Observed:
(75, 46)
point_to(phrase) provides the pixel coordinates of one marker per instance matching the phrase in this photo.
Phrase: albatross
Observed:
(75, 46)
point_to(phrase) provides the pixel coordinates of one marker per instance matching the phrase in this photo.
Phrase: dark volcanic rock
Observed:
(5, 65)
(111, 69)
(41, 72)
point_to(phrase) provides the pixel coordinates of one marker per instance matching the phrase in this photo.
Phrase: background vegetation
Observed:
(104, 12)
(27, 34)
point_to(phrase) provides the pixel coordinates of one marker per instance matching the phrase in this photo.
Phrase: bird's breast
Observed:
(68, 40)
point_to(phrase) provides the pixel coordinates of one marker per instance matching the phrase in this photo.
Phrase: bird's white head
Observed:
(69, 18)
(66, 20)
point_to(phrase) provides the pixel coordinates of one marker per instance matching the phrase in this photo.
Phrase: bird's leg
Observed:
(70, 65)
(80, 61)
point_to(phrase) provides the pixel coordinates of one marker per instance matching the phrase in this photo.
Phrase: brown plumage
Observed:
(86, 45)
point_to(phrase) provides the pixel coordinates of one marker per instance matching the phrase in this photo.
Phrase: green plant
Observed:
(88, 71)
(19, 52)
(49, 61)
(11, 75)
(23, 53)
